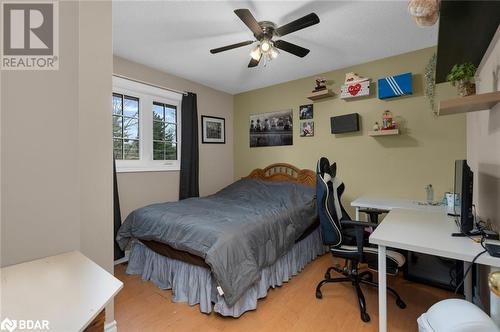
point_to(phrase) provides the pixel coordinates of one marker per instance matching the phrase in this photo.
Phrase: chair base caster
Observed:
(400, 303)
(319, 295)
(369, 277)
(365, 317)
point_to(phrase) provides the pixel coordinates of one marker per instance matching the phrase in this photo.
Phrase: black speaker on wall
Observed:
(345, 123)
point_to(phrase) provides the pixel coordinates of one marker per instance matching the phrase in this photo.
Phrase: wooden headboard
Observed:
(284, 172)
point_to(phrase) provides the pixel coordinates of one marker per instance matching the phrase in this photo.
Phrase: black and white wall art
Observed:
(271, 129)
(213, 130)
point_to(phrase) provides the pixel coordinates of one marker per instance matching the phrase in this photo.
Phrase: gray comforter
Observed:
(238, 231)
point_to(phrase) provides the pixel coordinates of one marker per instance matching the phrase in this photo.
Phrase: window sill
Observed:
(136, 169)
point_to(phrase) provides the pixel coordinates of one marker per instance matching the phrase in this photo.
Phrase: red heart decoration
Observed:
(354, 89)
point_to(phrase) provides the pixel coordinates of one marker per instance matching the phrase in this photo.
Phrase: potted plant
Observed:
(462, 76)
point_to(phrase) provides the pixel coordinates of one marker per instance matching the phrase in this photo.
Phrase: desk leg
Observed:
(382, 290)
(468, 282)
(357, 213)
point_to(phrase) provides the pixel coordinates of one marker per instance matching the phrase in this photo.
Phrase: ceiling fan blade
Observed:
(291, 48)
(246, 16)
(253, 62)
(298, 24)
(230, 47)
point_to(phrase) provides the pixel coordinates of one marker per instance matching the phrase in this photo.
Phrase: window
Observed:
(146, 127)
(164, 131)
(125, 127)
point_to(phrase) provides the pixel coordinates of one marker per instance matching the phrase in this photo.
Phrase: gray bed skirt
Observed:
(195, 284)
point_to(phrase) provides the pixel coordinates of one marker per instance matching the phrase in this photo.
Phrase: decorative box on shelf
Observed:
(353, 90)
(316, 95)
(395, 86)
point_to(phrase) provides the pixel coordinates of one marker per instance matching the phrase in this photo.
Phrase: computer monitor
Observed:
(463, 196)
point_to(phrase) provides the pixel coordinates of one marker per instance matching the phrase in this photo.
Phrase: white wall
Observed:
(483, 151)
(483, 140)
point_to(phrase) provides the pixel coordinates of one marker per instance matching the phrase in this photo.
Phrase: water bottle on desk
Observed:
(429, 193)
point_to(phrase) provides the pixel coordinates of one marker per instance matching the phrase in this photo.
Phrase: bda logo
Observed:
(24, 324)
(30, 35)
(9, 325)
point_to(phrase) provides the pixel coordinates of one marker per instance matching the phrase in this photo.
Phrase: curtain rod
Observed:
(153, 85)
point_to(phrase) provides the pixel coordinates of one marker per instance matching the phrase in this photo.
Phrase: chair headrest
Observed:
(325, 170)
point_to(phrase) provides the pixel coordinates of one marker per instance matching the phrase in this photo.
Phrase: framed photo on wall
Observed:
(271, 129)
(213, 130)
(307, 129)
(306, 112)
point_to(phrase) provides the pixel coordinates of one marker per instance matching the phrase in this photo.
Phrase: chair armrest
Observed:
(359, 224)
(371, 210)
(373, 213)
(359, 229)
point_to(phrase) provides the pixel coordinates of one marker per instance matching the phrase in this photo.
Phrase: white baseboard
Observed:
(111, 327)
(124, 259)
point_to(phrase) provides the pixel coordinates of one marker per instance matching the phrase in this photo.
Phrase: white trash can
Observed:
(454, 315)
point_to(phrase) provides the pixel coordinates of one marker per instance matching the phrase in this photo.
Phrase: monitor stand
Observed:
(471, 233)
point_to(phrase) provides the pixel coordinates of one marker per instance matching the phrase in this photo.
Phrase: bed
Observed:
(224, 251)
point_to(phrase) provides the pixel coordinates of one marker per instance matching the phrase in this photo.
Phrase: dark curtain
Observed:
(116, 213)
(189, 185)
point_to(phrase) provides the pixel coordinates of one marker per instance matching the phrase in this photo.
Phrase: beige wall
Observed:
(56, 186)
(394, 166)
(56, 153)
(95, 149)
(95, 155)
(40, 191)
(216, 160)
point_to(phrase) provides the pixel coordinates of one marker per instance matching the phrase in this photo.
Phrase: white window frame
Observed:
(148, 94)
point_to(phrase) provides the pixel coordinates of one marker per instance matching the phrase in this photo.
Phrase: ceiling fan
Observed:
(264, 32)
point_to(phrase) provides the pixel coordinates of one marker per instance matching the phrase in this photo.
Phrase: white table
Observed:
(367, 202)
(67, 290)
(427, 232)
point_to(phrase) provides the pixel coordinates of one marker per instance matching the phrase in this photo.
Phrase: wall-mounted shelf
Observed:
(388, 132)
(472, 103)
(321, 94)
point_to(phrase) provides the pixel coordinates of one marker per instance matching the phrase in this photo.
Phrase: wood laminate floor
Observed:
(141, 306)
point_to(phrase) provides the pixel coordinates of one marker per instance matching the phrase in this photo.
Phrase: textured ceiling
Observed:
(176, 36)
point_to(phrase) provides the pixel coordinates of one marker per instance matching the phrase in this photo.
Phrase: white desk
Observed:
(367, 202)
(67, 290)
(427, 232)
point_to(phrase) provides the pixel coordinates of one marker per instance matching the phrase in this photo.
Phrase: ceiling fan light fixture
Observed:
(264, 32)
(265, 46)
(274, 53)
(256, 53)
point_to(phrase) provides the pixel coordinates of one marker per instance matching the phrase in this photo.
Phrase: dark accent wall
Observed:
(465, 31)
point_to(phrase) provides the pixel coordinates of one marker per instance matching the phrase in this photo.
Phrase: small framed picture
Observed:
(306, 112)
(213, 130)
(307, 129)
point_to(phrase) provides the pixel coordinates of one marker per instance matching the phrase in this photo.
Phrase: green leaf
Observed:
(464, 71)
